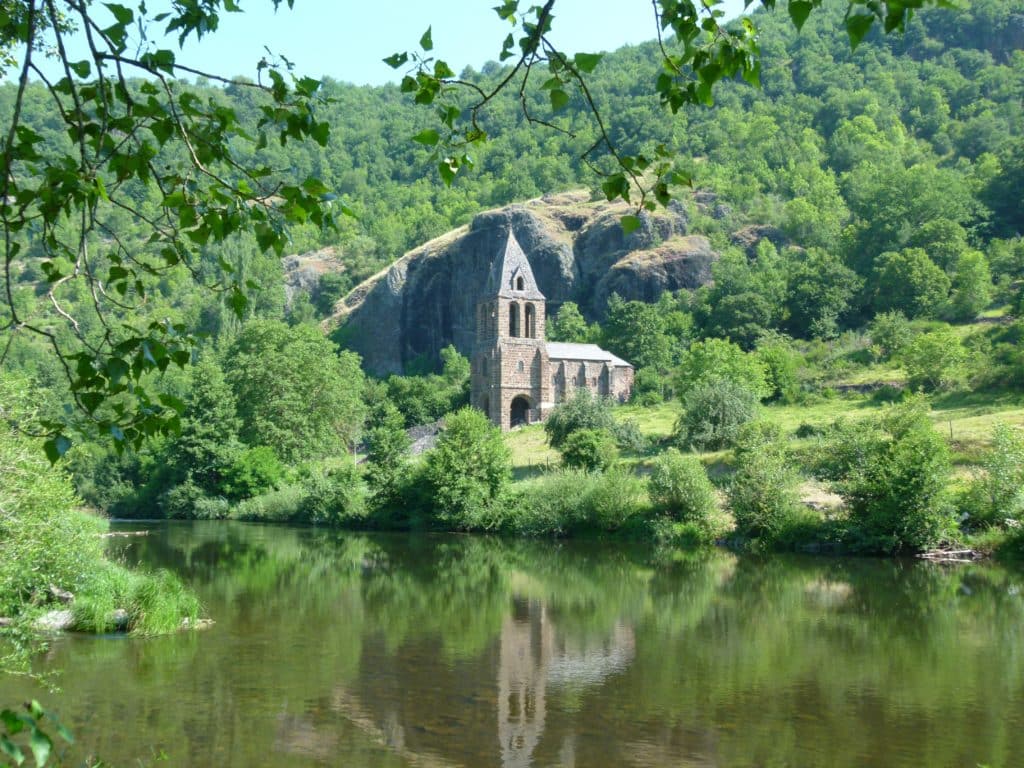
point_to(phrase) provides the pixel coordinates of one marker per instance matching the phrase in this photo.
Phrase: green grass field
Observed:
(965, 419)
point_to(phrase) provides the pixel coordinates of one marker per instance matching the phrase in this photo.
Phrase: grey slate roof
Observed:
(511, 265)
(559, 350)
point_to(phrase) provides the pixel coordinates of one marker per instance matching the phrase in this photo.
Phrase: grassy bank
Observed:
(51, 549)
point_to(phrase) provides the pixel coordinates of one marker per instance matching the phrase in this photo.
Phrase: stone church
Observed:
(518, 377)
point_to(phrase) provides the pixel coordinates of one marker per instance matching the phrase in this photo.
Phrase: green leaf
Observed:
(396, 60)
(91, 400)
(427, 41)
(122, 14)
(447, 169)
(80, 68)
(630, 223)
(857, 26)
(12, 750)
(586, 62)
(56, 447)
(40, 744)
(799, 10)
(238, 302)
(559, 99)
(12, 722)
(429, 137)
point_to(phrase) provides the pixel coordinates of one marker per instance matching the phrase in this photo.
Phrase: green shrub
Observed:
(211, 508)
(254, 471)
(181, 501)
(551, 505)
(996, 493)
(629, 437)
(679, 486)
(890, 333)
(44, 539)
(590, 449)
(935, 360)
(574, 501)
(468, 471)
(781, 365)
(277, 506)
(615, 498)
(763, 494)
(334, 498)
(713, 412)
(893, 476)
(581, 411)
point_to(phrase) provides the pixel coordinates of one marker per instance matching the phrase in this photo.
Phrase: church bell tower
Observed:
(510, 355)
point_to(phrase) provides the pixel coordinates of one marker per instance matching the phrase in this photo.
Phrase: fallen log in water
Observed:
(110, 534)
(951, 555)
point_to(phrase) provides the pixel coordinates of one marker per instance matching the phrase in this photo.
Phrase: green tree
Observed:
(972, 286)
(295, 392)
(935, 360)
(582, 411)
(635, 331)
(909, 282)
(145, 143)
(714, 411)
(569, 325)
(208, 441)
(818, 293)
(720, 359)
(467, 471)
(387, 455)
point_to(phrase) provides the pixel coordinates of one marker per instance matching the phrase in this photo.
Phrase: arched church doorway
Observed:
(520, 412)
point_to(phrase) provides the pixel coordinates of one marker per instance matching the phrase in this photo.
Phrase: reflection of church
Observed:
(534, 657)
(518, 377)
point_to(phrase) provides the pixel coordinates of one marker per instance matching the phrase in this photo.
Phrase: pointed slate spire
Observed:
(511, 276)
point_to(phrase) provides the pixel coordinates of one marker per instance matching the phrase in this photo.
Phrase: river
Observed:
(339, 649)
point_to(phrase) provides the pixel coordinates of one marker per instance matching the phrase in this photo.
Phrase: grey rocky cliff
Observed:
(578, 252)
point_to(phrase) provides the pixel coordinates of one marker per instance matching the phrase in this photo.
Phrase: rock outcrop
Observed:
(302, 271)
(578, 252)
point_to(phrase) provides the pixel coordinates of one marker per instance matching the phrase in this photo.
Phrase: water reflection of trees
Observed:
(465, 650)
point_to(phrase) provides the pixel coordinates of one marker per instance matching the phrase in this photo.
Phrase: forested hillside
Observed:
(855, 206)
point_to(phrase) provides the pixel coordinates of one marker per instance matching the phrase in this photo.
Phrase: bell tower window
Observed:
(513, 320)
(531, 321)
(520, 283)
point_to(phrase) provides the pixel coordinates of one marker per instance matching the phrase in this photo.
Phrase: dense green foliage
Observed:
(894, 476)
(50, 546)
(468, 471)
(680, 488)
(590, 449)
(714, 411)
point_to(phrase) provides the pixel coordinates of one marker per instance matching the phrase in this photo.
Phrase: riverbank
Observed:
(52, 558)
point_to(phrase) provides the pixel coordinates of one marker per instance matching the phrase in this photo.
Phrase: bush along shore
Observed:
(882, 483)
(54, 573)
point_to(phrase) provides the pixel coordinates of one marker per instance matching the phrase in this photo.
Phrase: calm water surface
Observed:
(352, 650)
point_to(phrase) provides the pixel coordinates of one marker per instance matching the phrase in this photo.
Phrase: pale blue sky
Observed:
(346, 39)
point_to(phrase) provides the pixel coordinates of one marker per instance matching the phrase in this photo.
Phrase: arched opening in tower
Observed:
(531, 322)
(513, 320)
(520, 413)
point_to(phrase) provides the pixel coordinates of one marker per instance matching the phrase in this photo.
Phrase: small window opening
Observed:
(520, 284)
(520, 367)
